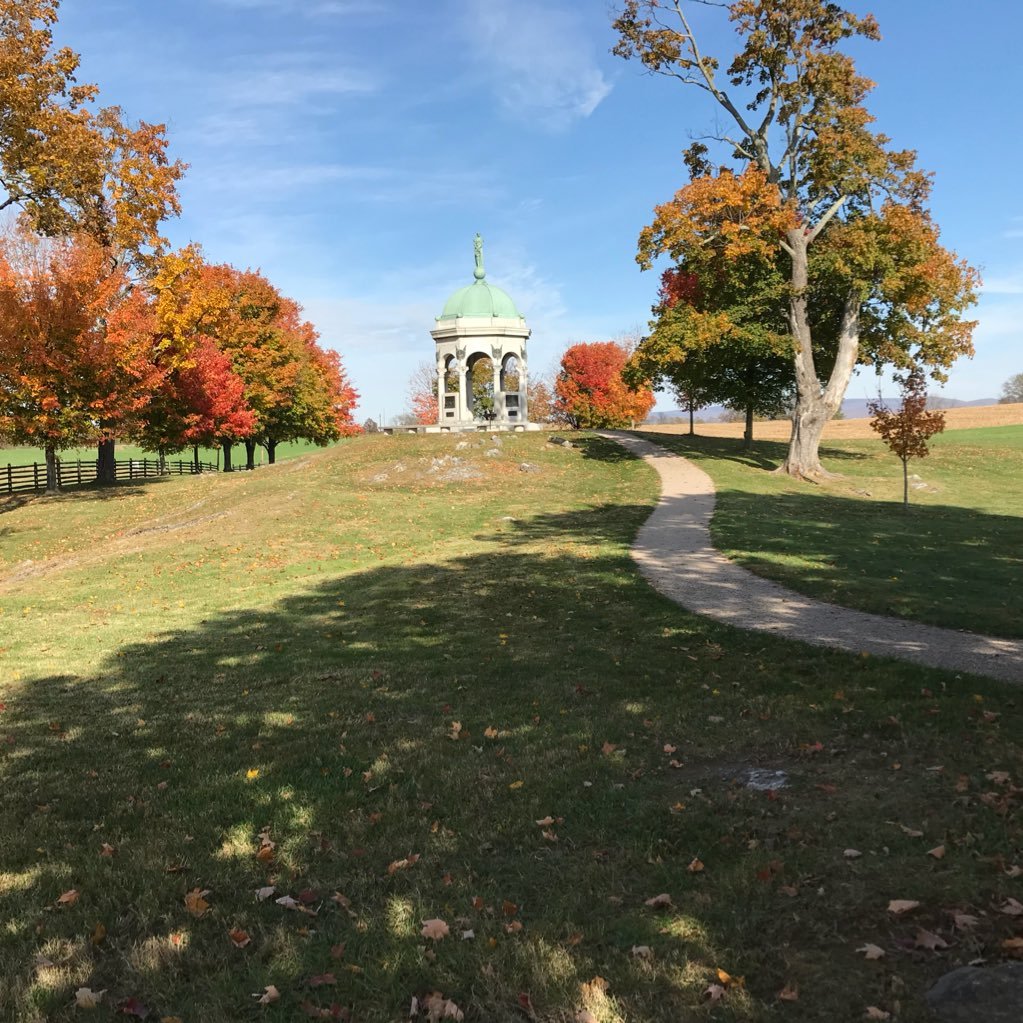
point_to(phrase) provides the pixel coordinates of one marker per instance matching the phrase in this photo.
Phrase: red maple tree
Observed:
(591, 392)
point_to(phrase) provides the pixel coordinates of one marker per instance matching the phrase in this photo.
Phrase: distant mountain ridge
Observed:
(852, 408)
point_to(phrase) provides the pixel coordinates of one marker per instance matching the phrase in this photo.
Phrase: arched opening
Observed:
(479, 385)
(449, 409)
(511, 377)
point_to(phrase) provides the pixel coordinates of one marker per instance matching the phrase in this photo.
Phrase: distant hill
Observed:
(852, 408)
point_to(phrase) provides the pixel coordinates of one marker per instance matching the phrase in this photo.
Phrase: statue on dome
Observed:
(477, 246)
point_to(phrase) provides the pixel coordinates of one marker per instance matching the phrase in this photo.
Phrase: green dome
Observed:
(480, 300)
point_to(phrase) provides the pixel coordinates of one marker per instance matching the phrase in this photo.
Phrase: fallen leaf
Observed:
(337, 951)
(912, 832)
(252, 774)
(608, 748)
(938, 852)
(668, 748)
(642, 952)
(873, 1012)
(661, 901)
(86, 998)
(516, 785)
(900, 906)
(435, 929)
(514, 927)
(287, 902)
(409, 861)
(106, 849)
(998, 777)
(546, 822)
(239, 938)
(490, 733)
(195, 902)
(871, 951)
(99, 934)
(526, 1004)
(714, 992)
(69, 898)
(585, 1016)
(509, 908)
(695, 866)
(852, 854)
(456, 730)
(1014, 946)
(440, 1008)
(262, 894)
(1011, 908)
(468, 935)
(789, 993)
(596, 988)
(964, 921)
(323, 980)
(929, 940)
(132, 1007)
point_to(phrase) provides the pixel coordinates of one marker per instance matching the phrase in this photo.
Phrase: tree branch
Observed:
(823, 222)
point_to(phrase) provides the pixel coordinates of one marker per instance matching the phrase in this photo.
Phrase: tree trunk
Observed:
(271, 452)
(692, 429)
(250, 454)
(747, 436)
(106, 469)
(905, 484)
(815, 405)
(225, 446)
(52, 477)
(162, 455)
(195, 456)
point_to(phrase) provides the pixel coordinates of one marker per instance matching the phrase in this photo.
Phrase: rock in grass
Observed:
(974, 994)
(529, 467)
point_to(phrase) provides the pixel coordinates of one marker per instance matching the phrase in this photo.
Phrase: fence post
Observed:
(10, 479)
(79, 472)
(35, 475)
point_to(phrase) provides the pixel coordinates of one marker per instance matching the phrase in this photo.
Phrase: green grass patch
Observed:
(87, 453)
(375, 654)
(954, 559)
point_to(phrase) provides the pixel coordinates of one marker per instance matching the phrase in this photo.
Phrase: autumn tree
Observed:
(540, 400)
(422, 394)
(1012, 390)
(907, 430)
(198, 404)
(591, 392)
(76, 343)
(73, 167)
(868, 280)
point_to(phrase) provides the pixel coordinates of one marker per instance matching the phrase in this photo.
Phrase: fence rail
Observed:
(16, 479)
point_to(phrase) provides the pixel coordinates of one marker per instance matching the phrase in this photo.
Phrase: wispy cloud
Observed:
(1010, 283)
(542, 61)
(291, 79)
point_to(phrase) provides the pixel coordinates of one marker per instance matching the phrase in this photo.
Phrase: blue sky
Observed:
(351, 148)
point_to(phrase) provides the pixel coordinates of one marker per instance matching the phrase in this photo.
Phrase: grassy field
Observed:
(955, 559)
(398, 688)
(26, 456)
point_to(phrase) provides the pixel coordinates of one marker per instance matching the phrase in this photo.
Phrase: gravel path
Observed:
(675, 554)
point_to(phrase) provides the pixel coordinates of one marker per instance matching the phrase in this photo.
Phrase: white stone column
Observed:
(523, 390)
(441, 391)
(464, 414)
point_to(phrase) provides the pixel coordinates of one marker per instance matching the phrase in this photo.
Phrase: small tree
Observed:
(907, 431)
(1012, 390)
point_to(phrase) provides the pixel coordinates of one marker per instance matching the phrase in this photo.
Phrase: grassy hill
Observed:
(397, 688)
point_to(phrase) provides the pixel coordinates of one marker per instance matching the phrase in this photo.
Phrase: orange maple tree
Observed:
(76, 343)
(590, 391)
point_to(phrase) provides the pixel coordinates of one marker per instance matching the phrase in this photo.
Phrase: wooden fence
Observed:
(21, 478)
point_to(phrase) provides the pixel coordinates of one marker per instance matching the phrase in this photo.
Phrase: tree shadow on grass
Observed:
(940, 564)
(764, 455)
(328, 718)
(85, 492)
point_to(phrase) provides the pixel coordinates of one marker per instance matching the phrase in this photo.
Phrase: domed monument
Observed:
(481, 358)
